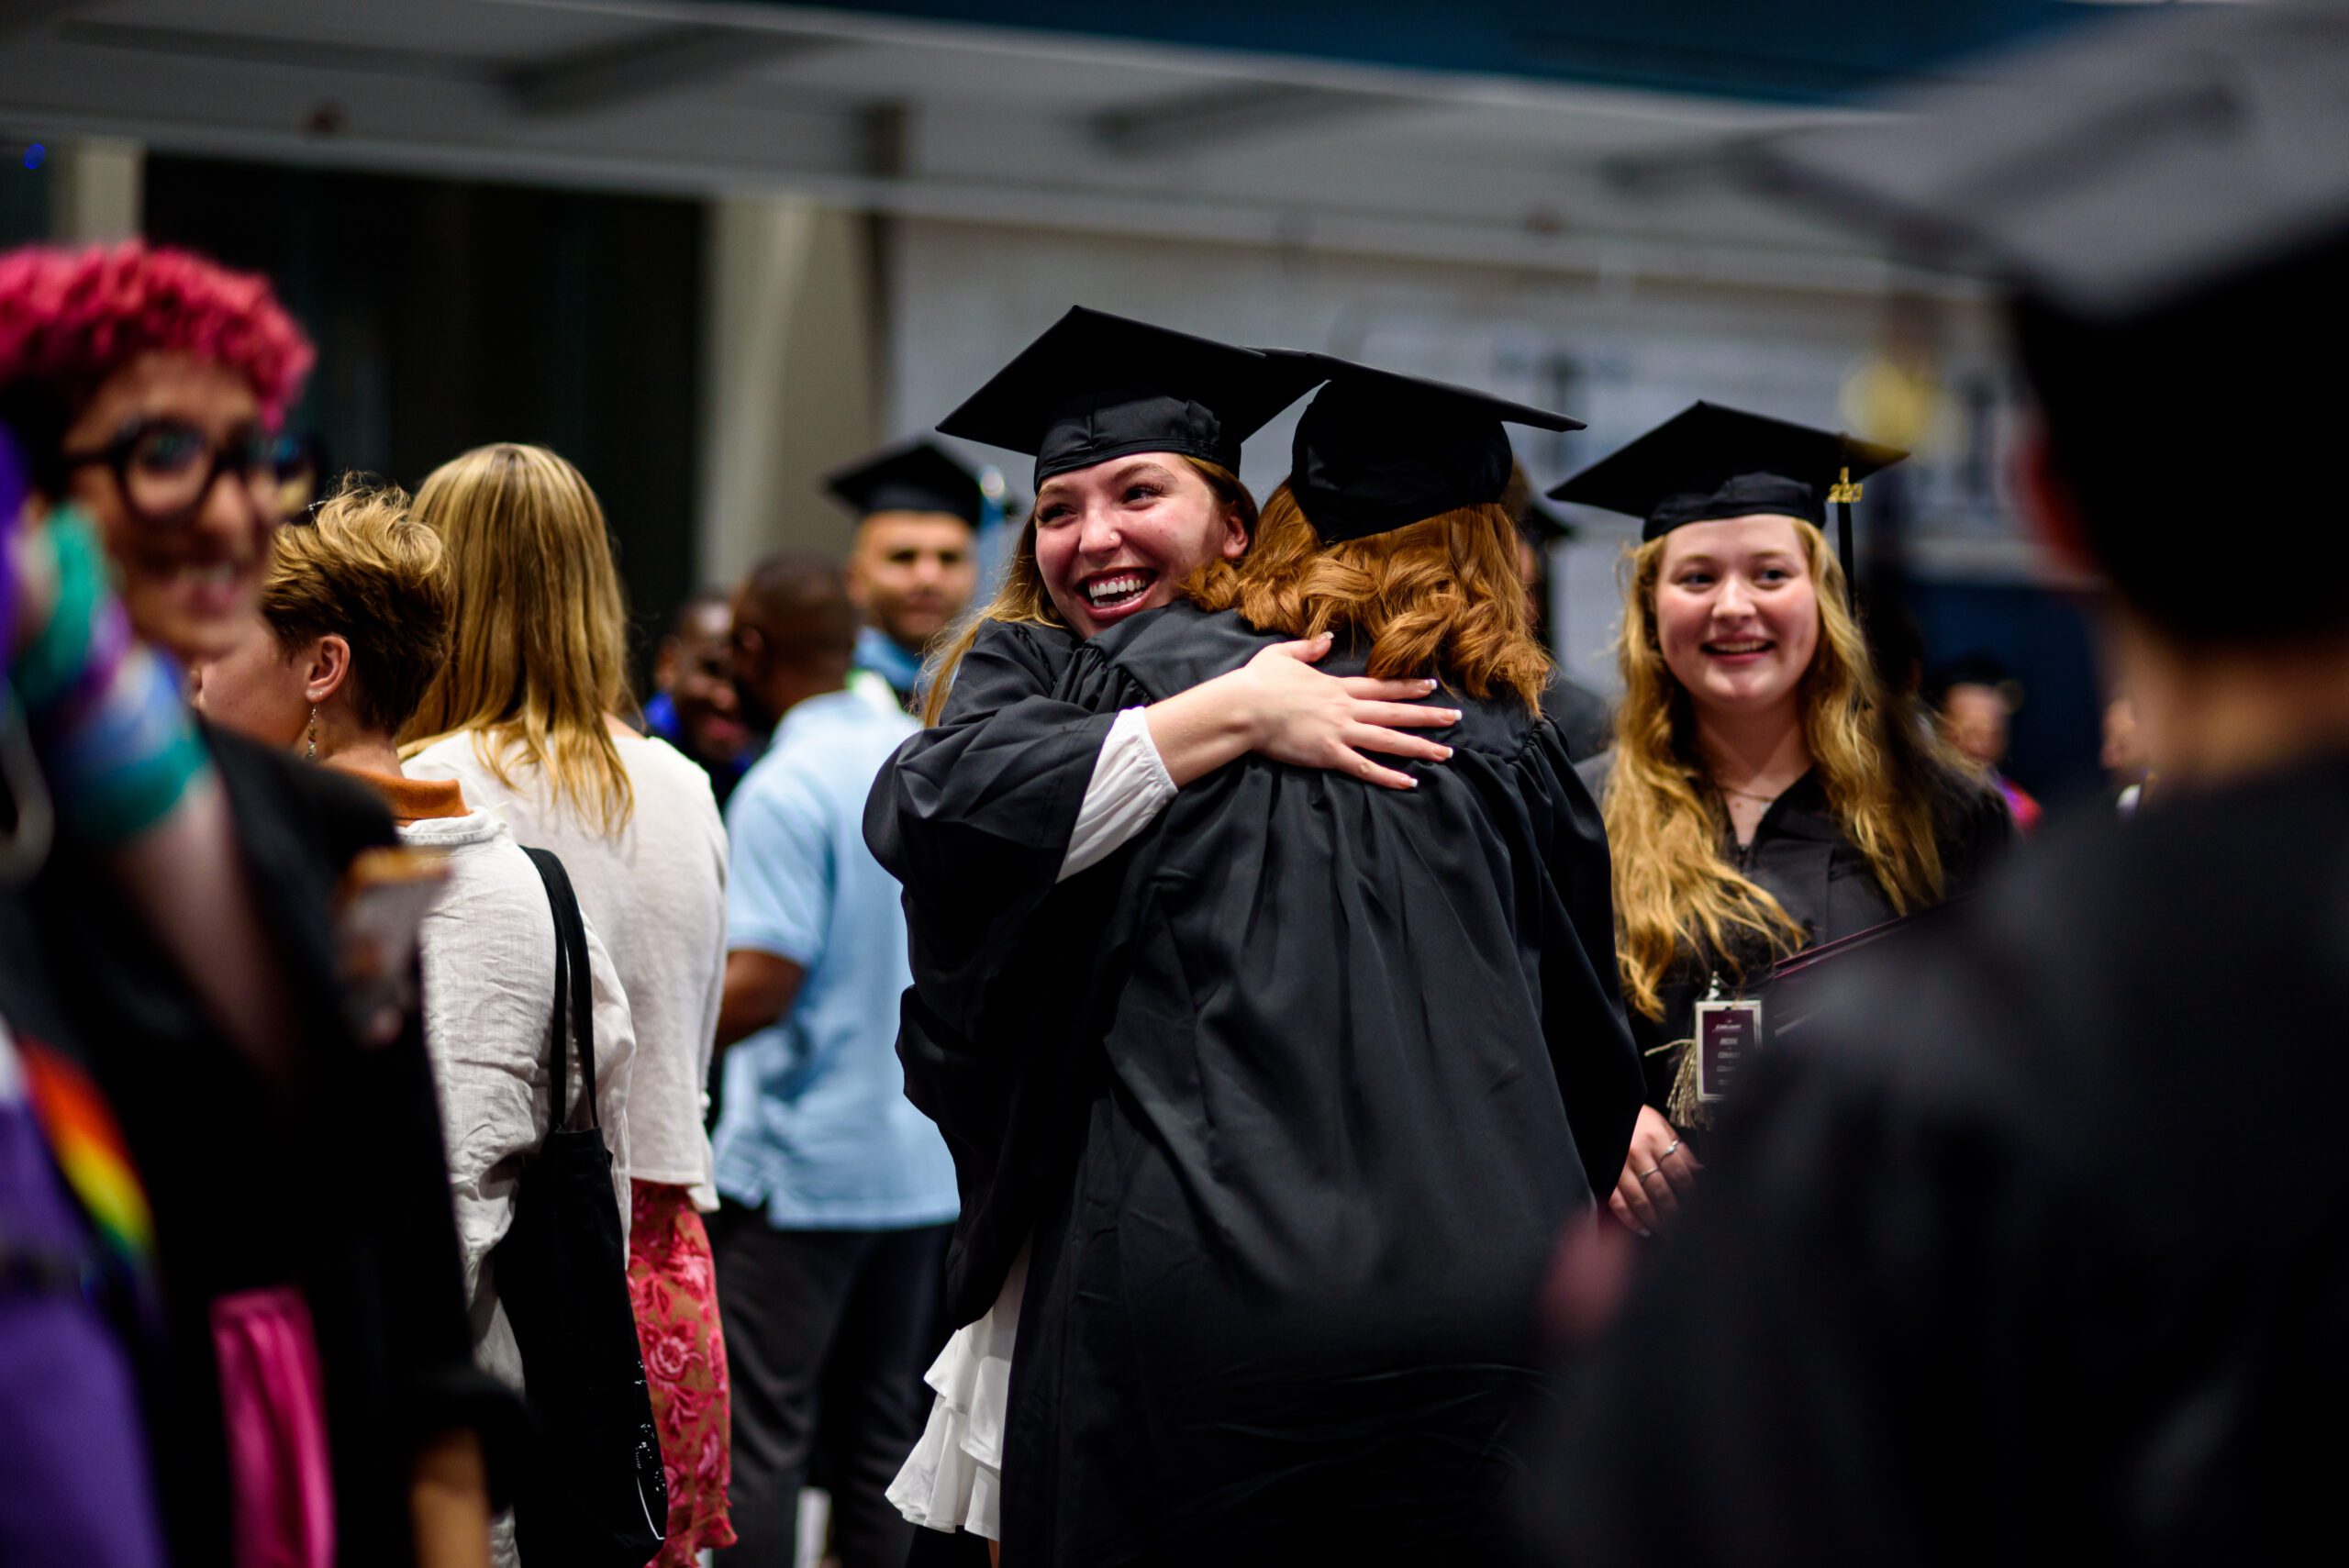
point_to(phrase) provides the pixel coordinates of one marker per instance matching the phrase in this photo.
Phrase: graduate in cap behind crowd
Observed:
(2024, 1259)
(1354, 1055)
(916, 562)
(1765, 793)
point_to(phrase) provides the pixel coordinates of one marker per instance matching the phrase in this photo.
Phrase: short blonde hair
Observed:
(368, 572)
(539, 631)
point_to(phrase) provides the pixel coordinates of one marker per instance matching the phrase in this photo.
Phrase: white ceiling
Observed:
(929, 120)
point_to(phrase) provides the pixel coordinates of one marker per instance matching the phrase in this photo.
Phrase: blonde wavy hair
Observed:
(539, 640)
(365, 570)
(1022, 599)
(1442, 594)
(1676, 892)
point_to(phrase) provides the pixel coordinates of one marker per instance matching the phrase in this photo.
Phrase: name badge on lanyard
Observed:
(1727, 1033)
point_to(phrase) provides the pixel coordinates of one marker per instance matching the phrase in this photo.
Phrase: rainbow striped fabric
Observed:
(89, 1151)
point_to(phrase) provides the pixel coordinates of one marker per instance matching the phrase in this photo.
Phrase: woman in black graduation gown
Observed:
(1765, 793)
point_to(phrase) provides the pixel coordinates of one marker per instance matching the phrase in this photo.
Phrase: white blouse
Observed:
(487, 948)
(656, 894)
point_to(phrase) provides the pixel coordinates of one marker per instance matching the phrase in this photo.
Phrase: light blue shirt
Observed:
(876, 652)
(817, 1126)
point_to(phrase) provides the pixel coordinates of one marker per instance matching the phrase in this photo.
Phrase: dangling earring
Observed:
(310, 737)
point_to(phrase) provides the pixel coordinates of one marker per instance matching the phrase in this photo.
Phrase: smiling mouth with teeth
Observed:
(1733, 648)
(1115, 588)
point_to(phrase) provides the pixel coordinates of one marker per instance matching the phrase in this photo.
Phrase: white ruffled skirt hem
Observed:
(953, 1479)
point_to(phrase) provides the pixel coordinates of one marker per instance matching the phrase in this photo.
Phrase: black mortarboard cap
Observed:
(917, 478)
(1097, 386)
(1377, 450)
(2117, 172)
(1707, 462)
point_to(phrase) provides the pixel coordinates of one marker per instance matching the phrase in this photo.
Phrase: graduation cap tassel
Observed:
(1843, 493)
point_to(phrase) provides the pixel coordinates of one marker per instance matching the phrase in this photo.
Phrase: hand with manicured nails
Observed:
(1278, 705)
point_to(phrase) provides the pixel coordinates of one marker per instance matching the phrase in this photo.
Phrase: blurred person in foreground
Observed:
(352, 624)
(1585, 721)
(693, 707)
(524, 715)
(313, 1305)
(1976, 701)
(2018, 1264)
(838, 1193)
(1765, 793)
(914, 563)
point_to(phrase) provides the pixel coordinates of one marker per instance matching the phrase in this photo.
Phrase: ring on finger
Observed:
(1669, 1150)
(1643, 1176)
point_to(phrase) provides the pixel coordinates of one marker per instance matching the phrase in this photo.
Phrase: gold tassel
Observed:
(1682, 1107)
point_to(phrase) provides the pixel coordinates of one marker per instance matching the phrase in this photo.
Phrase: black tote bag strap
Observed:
(573, 987)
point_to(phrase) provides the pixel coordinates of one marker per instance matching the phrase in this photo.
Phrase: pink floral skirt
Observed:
(675, 1293)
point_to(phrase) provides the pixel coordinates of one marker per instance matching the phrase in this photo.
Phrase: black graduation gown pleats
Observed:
(1349, 1059)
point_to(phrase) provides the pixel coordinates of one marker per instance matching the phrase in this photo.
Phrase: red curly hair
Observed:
(69, 319)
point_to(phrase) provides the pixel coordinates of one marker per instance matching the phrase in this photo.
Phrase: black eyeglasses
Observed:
(165, 468)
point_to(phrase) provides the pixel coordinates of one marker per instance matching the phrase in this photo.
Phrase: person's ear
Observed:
(328, 669)
(1235, 534)
(2049, 509)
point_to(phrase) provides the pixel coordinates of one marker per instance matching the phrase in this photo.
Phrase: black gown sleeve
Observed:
(974, 816)
(1590, 1040)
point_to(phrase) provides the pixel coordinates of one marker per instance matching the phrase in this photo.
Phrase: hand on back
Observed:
(1301, 715)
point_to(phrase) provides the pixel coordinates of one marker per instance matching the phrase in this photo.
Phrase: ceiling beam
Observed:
(1249, 111)
(22, 19)
(670, 60)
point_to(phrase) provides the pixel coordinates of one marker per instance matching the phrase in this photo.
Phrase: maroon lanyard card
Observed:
(1727, 1033)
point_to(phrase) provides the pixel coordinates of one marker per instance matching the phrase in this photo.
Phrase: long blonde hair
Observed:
(1022, 599)
(1441, 594)
(538, 644)
(1676, 891)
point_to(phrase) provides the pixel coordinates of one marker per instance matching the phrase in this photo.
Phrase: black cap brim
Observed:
(1097, 386)
(1708, 462)
(917, 478)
